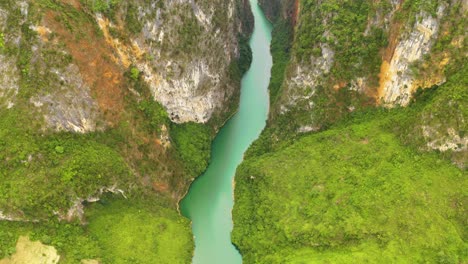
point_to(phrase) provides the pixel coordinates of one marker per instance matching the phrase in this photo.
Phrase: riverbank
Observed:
(209, 201)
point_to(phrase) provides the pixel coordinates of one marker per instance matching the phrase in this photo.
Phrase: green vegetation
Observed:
(238, 67)
(140, 233)
(358, 35)
(342, 27)
(64, 166)
(2, 41)
(193, 143)
(120, 231)
(356, 53)
(44, 172)
(245, 59)
(411, 9)
(362, 191)
(73, 19)
(154, 113)
(350, 194)
(444, 110)
(131, 19)
(70, 239)
(329, 107)
(448, 46)
(102, 5)
(61, 167)
(189, 32)
(282, 38)
(245, 14)
(134, 73)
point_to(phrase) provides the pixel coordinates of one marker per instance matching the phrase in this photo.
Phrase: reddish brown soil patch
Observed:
(387, 54)
(393, 42)
(387, 58)
(339, 85)
(155, 166)
(295, 15)
(75, 3)
(160, 187)
(92, 56)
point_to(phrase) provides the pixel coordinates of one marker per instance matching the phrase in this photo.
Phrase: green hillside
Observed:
(361, 192)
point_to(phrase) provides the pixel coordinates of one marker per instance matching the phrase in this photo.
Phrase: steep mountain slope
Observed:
(354, 193)
(119, 97)
(345, 56)
(343, 173)
(332, 59)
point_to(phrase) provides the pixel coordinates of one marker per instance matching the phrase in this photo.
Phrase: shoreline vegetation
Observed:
(367, 187)
(135, 147)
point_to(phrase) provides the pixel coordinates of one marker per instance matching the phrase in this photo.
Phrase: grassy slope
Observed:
(140, 233)
(42, 172)
(120, 231)
(364, 191)
(351, 193)
(359, 192)
(65, 166)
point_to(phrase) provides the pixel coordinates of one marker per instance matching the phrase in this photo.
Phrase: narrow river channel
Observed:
(209, 201)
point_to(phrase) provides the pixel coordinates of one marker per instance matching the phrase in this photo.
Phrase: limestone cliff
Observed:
(117, 76)
(183, 49)
(368, 89)
(397, 81)
(347, 55)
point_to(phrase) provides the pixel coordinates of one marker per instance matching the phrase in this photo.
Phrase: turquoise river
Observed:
(210, 200)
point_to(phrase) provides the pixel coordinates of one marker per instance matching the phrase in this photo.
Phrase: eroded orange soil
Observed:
(92, 56)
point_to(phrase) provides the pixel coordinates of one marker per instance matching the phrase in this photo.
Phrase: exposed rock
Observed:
(450, 140)
(306, 76)
(164, 137)
(305, 129)
(303, 79)
(185, 103)
(9, 78)
(6, 217)
(64, 68)
(9, 75)
(184, 50)
(71, 107)
(193, 85)
(31, 252)
(184, 56)
(397, 80)
(76, 211)
(16, 217)
(89, 261)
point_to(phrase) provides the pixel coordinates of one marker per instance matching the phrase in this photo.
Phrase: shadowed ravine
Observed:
(210, 199)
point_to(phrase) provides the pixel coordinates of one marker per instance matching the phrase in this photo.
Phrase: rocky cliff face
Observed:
(346, 56)
(397, 82)
(370, 58)
(187, 49)
(8, 81)
(350, 55)
(129, 70)
(183, 49)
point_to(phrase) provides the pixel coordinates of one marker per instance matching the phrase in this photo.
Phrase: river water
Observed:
(209, 201)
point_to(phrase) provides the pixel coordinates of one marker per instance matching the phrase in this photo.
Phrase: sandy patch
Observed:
(28, 252)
